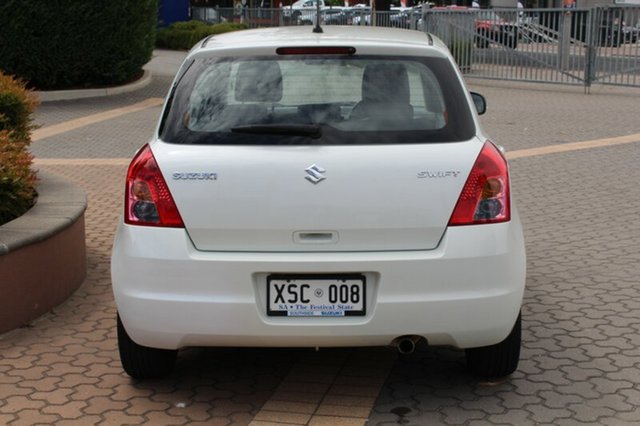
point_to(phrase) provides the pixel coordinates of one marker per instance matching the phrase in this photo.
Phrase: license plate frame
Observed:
(318, 305)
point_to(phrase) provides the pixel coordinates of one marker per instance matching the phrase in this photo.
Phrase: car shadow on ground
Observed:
(210, 383)
(431, 385)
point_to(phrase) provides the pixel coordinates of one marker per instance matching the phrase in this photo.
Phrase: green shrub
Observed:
(183, 35)
(55, 44)
(17, 180)
(189, 25)
(16, 106)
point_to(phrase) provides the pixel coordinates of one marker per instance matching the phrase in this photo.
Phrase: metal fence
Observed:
(564, 46)
(584, 47)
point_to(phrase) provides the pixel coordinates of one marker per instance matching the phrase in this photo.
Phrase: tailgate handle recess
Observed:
(315, 237)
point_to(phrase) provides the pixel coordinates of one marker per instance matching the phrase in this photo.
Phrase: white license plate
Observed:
(316, 295)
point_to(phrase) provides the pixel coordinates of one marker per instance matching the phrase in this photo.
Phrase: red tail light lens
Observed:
(148, 201)
(485, 196)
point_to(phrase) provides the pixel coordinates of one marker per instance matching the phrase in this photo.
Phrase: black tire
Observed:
(141, 362)
(616, 40)
(497, 360)
(511, 42)
(481, 41)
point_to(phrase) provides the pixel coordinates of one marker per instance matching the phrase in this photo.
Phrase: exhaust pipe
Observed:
(406, 345)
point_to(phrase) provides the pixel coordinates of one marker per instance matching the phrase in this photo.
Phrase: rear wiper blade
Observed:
(310, 130)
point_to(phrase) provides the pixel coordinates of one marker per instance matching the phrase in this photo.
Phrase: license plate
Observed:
(316, 295)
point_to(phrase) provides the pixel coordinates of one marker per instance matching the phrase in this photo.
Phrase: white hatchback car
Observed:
(317, 190)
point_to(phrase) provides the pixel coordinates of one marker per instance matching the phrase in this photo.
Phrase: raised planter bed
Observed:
(42, 253)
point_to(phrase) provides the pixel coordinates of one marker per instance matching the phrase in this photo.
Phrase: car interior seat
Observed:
(320, 113)
(258, 86)
(385, 94)
(259, 81)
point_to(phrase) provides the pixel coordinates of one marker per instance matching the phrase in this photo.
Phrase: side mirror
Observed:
(480, 102)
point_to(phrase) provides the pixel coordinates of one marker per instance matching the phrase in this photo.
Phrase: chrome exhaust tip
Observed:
(406, 345)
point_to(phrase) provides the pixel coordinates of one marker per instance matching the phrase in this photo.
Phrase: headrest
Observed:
(385, 83)
(259, 81)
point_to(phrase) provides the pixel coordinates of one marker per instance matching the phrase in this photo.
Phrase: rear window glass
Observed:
(318, 100)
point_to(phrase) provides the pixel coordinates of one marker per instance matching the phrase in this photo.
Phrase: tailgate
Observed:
(316, 198)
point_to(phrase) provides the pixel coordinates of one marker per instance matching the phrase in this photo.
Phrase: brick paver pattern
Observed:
(581, 314)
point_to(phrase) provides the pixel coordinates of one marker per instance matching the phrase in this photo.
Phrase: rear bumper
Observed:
(466, 293)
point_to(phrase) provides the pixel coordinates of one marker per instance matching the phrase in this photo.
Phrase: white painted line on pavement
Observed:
(574, 146)
(81, 161)
(67, 126)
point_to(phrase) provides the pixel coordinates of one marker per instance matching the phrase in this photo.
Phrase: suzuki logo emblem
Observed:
(315, 174)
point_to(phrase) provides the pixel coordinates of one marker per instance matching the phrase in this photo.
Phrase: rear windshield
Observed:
(318, 100)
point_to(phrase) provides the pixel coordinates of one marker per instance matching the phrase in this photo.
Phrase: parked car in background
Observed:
(302, 9)
(335, 16)
(360, 14)
(331, 15)
(631, 34)
(318, 190)
(611, 29)
(493, 28)
(488, 26)
(210, 15)
(400, 17)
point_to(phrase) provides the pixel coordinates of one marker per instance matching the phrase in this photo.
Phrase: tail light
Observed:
(485, 196)
(148, 201)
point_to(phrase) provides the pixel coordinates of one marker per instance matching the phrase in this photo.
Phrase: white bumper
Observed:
(466, 293)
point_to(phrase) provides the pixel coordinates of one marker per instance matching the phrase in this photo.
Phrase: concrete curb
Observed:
(59, 205)
(66, 95)
(42, 253)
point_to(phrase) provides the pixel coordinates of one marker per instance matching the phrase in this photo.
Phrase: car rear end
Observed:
(333, 190)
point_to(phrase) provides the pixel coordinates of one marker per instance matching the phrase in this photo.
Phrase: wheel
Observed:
(616, 40)
(481, 40)
(512, 43)
(142, 362)
(497, 360)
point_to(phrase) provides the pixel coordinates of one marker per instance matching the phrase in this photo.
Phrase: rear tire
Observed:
(511, 42)
(142, 362)
(616, 40)
(481, 40)
(497, 360)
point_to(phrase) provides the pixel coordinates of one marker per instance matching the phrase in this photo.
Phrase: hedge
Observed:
(17, 180)
(183, 35)
(58, 44)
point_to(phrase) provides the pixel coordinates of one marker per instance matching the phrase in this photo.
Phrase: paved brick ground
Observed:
(580, 359)
(581, 316)
(530, 115)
